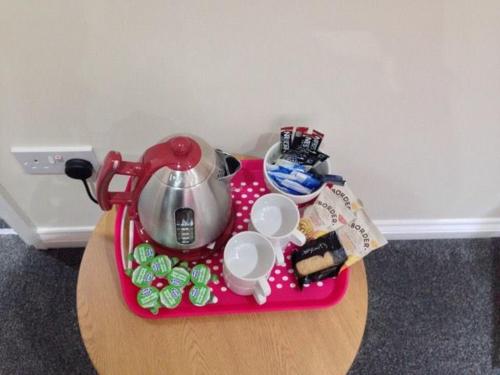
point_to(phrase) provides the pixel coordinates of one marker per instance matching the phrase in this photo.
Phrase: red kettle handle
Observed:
(113, 164)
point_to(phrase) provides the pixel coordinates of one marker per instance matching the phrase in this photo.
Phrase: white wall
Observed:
(407, 91)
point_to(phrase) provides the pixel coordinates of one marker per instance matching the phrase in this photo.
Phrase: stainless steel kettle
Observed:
(179, 192)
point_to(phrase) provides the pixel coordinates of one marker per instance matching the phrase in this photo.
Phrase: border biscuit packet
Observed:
(360, 238)
(344, 195)
(326, 214)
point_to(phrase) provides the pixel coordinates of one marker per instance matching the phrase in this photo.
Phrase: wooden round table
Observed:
(296, 342)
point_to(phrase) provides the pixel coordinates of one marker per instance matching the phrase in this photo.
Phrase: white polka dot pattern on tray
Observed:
(282, 280)
(245, 193)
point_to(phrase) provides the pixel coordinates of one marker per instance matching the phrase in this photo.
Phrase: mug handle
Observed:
(262, 291)
(278, 252)
(298, 238)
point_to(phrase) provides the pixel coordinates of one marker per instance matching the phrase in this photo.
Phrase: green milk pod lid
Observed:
(148, 297)
(200, 274)
(200, 295)
(161, 265)
(144, 253)
(178, 277)
(142, 276)
(170, 297)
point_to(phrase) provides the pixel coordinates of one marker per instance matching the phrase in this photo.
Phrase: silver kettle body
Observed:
(189, 209)
(179, 194)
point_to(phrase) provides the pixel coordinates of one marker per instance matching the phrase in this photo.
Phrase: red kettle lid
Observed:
(182, 152)
(181, 160)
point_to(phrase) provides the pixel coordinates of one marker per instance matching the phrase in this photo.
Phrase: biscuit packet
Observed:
(327, 214)
(360, 238)
(344, 195)
(318, 259)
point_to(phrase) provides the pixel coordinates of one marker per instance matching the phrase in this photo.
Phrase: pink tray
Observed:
(247, 186)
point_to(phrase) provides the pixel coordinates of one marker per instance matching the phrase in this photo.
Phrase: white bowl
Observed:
(271, 156)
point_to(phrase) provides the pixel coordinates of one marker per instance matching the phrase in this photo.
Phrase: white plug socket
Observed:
(51, 160)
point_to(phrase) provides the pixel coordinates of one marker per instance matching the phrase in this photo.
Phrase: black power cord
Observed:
(80, 169)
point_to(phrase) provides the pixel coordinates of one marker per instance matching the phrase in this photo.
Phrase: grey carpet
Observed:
(430, 309)
(38, 325)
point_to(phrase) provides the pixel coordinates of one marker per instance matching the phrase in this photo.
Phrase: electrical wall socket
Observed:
(51, 160)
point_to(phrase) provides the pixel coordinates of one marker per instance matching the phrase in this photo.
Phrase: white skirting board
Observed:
(7, 231)
(51, 237)
(419, 229)
(56, 237)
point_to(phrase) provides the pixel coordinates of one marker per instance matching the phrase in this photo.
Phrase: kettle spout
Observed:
(228, 165)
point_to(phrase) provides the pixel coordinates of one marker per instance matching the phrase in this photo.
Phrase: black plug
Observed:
(80, 169)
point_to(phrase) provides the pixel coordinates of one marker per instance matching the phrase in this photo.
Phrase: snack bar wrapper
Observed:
(360, 238)
(328, 213)
(318, 259)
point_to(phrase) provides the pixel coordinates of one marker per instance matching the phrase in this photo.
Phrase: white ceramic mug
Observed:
(248, 261)
(277, 218)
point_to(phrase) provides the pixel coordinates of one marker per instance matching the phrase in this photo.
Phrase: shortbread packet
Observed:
(360, 238)
(344, 195)
(318, 259)
(325, 215)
